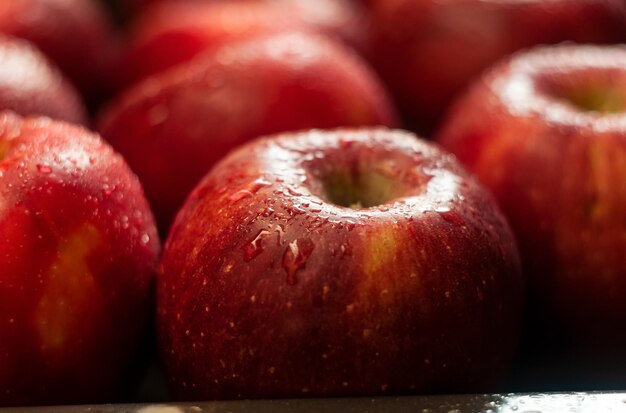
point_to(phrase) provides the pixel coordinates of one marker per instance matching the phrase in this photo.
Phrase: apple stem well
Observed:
(586, 91)
(363, 189)
(368, 182)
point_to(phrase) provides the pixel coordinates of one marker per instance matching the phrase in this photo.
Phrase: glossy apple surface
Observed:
(546, 132)
(173, 127)
(337, 263)
(428, 51)
(173, 32)
(75, 34)
(79, 254)
(31, 85)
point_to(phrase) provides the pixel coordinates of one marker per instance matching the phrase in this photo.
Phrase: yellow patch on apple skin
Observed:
(389, 279)
(383, 264)
(4, 149)
(608, 169)
(381, 250)
(69, 288)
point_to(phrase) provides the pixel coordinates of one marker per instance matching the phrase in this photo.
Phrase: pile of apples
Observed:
(310, 249)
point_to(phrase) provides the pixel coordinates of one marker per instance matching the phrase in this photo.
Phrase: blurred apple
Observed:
(174, 126)
(173, 32)
(428, 51)
(79, 253)
(31, 85)
(75, 34)
(338, 263)
(545, 131)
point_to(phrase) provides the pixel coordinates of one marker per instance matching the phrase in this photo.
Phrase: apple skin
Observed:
(173, 32)
(559, 174)
(75, 34)
(79, 256)
(174, 126)
(446, 44)
(31, 85)
(268, 290)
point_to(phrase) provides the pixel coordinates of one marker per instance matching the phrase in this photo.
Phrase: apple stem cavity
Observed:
(586, 91)
(359, 188)
(596, 101)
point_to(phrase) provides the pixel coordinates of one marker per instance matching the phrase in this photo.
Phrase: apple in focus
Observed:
(173, 32)
(545, 131)
(79, 254)
(337, 263)
(31, 85)
(173, 127)
(429, 51)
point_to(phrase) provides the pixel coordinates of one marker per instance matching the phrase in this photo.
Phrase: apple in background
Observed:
(30, 84)
(173, 32)
(545, 131)
(428, 51)
(337, 263)
(79, 253)
(174, 126)
(75, 34)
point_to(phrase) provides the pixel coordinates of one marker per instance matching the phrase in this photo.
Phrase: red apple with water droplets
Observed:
(545, 131)
(174, 126)
(31, 85)
(79, 254)
(337, 263)
(429, 51)
(173, 32)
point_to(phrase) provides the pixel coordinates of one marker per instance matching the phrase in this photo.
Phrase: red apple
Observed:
(173, 32)
(338, 263)
(30, 84)
(428, 51)
(174, 126)
(79, 253)
(545, 131)
(75, 34)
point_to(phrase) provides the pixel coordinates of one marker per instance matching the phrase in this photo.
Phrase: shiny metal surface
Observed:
(498, 403)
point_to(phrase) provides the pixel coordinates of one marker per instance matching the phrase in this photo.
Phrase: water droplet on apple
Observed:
(106, 190)
(258, 184)
(44, 169)
(452, 217)
(250, 191)
(295, 258)
(145, 239)
(239, 195)
(296, 209)
(346, 250)
(255, 247)
(280, 231)
(293, 192)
